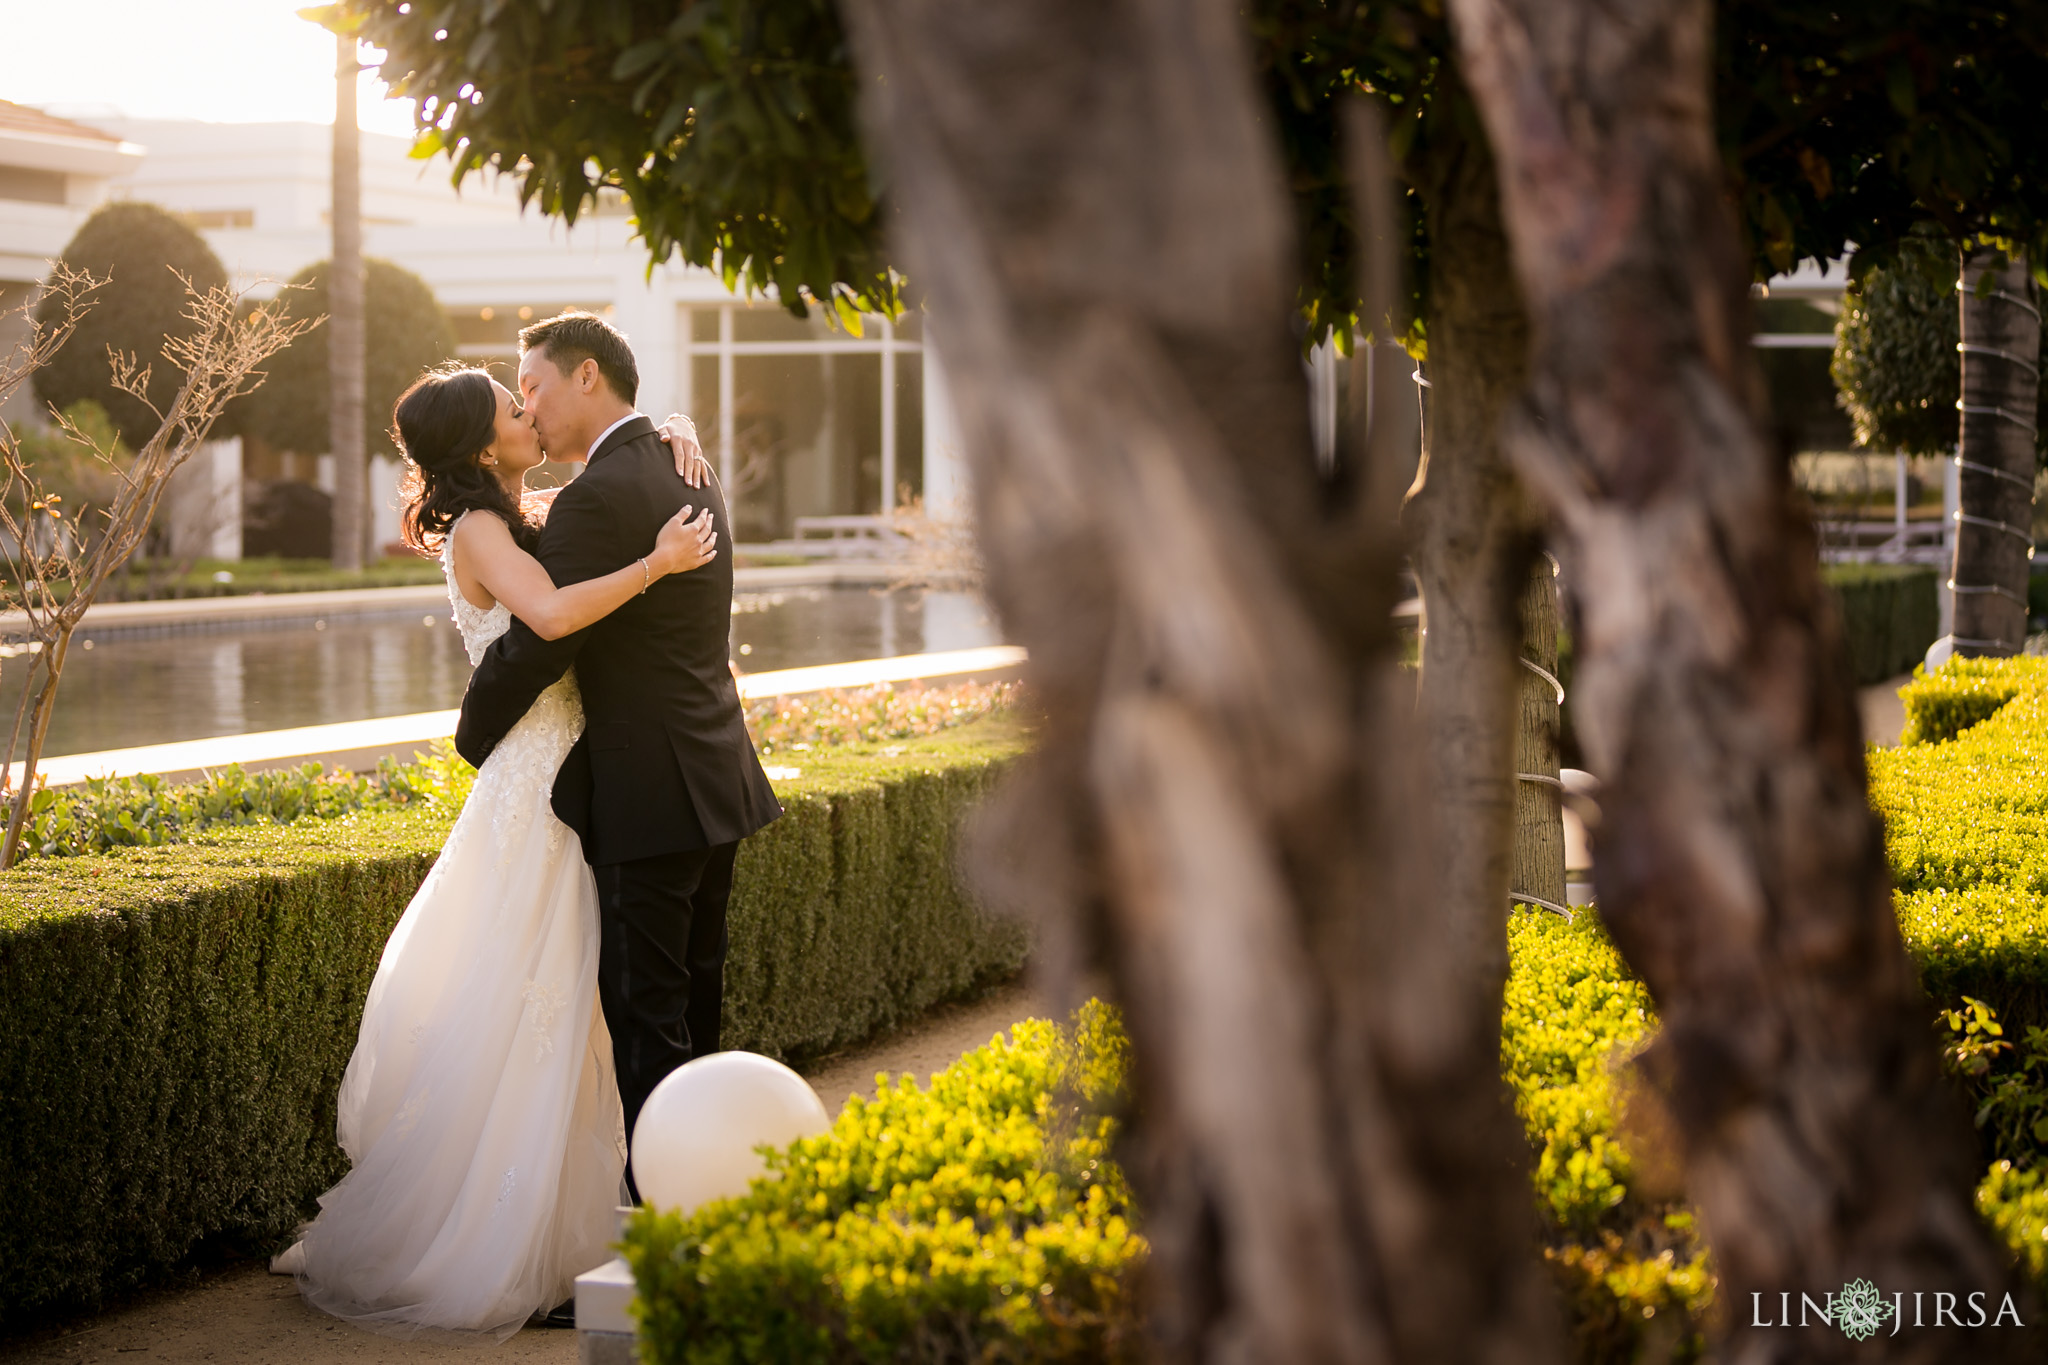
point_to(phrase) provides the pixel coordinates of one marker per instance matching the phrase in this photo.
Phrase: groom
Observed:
(664, 783)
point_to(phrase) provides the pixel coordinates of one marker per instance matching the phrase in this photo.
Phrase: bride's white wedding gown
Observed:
(479, 1110)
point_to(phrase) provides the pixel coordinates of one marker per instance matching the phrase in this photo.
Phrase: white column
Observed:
(727, 457)
(202, 505)
(226, 499)
(647, 315)
(684, 368)
(1322, 403)
(888, 417)
(945, 469)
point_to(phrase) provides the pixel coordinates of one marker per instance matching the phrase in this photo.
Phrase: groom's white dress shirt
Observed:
(608, 431)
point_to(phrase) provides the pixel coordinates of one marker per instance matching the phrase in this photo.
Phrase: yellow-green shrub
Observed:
(1570, 1013)
(1961, 693)
(2015, 1203)
(1966, 831)
(1633, 1274)
(981, 1219)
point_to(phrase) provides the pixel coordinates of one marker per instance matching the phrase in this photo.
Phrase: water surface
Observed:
(124, 692)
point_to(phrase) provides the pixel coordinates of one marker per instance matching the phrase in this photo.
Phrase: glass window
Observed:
(805, 425)
(909, 427)
(807, 440)
(704, 400)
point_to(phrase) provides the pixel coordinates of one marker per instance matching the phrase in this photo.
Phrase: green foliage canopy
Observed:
(728, 125)
(737, 135)
(1852, 125)
(406, 331)
(141, 250)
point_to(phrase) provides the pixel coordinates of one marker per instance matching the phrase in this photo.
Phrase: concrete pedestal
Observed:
(604, 1320)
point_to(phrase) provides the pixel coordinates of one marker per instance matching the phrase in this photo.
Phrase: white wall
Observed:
(476, 249)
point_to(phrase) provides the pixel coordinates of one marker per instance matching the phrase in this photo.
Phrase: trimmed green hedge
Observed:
(846, 914)
(176, 1024)
(1891, 614)
(176, 1019)
(1962, 693)
(982, 1219)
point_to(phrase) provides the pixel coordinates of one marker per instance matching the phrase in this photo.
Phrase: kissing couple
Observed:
(567, 950)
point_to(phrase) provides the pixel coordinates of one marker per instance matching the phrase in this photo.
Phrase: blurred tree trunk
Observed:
(2001, 346)
(1473, 538)
(345, 323)
(1741, 870)
(1226, 812)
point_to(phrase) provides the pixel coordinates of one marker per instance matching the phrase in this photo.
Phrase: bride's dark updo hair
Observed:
(442, 424)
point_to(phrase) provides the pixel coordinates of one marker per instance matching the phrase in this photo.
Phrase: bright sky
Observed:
(229, 61)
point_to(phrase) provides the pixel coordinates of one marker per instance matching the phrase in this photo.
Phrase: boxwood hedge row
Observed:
(1890, 615)
(174, 1020)
(979, 1220)
(1966, 828)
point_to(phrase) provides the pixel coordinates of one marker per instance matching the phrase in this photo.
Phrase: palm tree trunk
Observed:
(2001, 345)
(1539, 793)
(345, 322)
(1740, 870)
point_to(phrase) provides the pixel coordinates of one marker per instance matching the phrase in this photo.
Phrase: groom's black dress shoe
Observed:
(561, 1315)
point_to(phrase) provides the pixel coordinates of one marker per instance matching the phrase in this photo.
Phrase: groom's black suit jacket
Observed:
(665, 764)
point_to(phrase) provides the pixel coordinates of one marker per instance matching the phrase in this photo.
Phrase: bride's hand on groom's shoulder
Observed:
(681, 434)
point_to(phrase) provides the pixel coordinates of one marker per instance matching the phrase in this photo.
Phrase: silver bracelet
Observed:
(646, 574)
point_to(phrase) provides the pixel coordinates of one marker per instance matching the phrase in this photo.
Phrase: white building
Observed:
(53, 172)
(804, 420)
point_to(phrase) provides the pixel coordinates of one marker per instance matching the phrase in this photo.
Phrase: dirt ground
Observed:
(244, 1314)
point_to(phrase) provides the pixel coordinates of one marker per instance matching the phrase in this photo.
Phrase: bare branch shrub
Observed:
(57, 560)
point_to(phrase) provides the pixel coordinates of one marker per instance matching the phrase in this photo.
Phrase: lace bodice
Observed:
(513, 786)
(479, 626)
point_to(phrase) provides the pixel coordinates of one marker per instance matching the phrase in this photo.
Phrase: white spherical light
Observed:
(695, 1138)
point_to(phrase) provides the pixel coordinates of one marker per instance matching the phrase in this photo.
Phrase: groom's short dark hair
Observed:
(573, 336)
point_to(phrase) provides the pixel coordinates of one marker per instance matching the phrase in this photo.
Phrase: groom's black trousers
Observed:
(661, 963)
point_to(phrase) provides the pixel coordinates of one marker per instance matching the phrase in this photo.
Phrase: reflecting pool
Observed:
(122, 692)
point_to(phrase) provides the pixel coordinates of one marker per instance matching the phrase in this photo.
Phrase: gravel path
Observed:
(243, 1314)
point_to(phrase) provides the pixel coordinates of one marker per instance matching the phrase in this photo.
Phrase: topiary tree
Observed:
(1896, 369)
(141, 251)
(1895, 363)
(406, 330)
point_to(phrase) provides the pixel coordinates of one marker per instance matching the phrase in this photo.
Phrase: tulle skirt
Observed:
(479, 1109)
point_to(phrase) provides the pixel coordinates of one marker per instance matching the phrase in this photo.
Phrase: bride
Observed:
(479, 1109)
